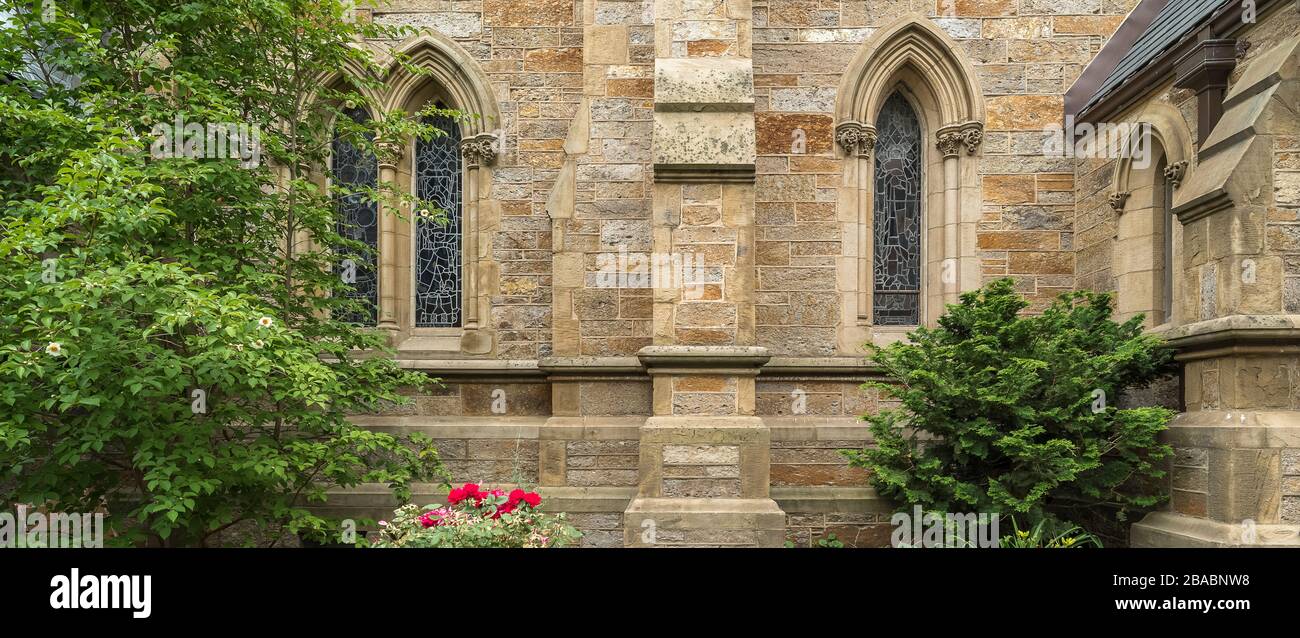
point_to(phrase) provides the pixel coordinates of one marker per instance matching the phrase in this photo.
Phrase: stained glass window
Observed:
(437, 244)
(357, 219)
(896, 221)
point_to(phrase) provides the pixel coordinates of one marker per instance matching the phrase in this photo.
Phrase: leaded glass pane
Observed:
(437, 245)
(357, 219)
(897, 218)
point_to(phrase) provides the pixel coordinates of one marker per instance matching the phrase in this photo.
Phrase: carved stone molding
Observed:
(972, 133)
(479, 150)
(857, 139)
(1117, 201)
(1174, 173)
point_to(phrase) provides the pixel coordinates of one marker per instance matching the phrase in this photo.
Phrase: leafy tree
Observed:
(172, 342)
(1015, 414)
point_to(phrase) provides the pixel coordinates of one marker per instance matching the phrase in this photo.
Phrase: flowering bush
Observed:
(473, 517)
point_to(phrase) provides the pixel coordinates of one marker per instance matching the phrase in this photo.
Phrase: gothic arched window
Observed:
(896, 220)
(437, 244)
(356, 171)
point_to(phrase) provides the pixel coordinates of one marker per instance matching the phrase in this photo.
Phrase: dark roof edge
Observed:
(1119, 44)
(1224, 22)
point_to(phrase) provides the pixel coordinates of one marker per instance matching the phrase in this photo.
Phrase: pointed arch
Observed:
(457, 75)
(912, 42)
(454, 79)
(913, 58)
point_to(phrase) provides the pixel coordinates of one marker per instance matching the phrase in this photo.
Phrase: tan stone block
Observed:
(1009, 189)
(710, 48)
(1015, 28)
(1023, 112)
(704, 383)
(813, 164)
(704, 336)
(1020, 240)
(527, 13)
(630, 87)
(607, 44)
(982, 7)
(1086, 25)
(1040, 263)
(782, 133)
(564, 60)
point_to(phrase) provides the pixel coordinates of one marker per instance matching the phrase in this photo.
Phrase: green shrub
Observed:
(1015, 414)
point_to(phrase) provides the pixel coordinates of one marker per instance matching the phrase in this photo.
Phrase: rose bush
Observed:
(474, 517)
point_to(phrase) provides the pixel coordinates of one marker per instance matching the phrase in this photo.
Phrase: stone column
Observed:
(704, 455)
(389, 154)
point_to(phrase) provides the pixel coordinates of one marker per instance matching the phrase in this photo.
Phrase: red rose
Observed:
(503, 509)
(455, 496)
(516, 495)
(471, 489)
(532, 499)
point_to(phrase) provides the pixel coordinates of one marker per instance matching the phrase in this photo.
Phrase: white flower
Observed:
(54, 348)
(265, 322)
(239, 347)
(258, 343)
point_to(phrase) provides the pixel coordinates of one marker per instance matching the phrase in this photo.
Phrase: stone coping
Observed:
(634, 366)
(1235, 334)
(704, 356)
(1167, 529)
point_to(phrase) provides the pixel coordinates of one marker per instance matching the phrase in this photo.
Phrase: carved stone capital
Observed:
(389, 152)
(1174, 173)
(480, 150)
(949, 143)
(1117, 201)
(857, 139)
(972, 133)
(951, 138)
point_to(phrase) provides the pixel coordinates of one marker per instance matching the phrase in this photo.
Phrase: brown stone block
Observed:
(1040, 263)
(1189, 503)
(775, 79)
(1074, 50)
(565, 60)
(703, 336)
(1086, 25)
(777, 133)
(1023, 112)
(701, 215)
(630, 87)
(983, 7)
(1009, 189)
(710, 48)
(818, 474)
(704, 383)
(1020, 240)
(815, 211)
(527, 13)
(814, 164)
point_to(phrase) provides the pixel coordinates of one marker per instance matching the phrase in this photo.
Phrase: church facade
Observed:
(675, 224)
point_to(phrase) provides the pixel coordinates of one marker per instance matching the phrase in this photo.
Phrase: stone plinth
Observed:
(704, 455)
